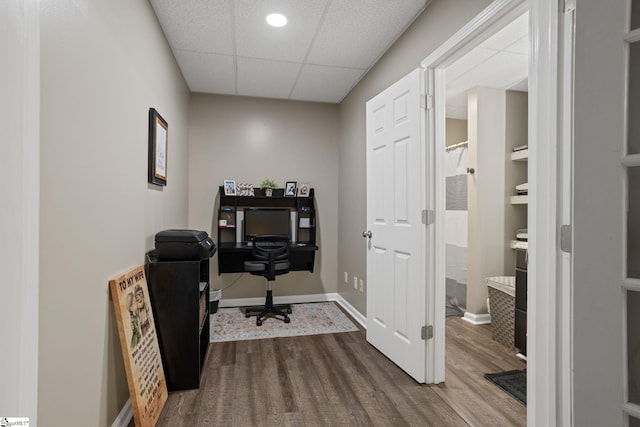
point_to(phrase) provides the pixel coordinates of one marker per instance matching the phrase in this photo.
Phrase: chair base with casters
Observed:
(269, 308)
(271, 259)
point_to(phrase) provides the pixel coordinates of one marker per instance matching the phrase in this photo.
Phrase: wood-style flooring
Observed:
(340, 379)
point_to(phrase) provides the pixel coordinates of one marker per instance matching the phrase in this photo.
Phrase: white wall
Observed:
(19, 192)
(440, 20)
(487, 153)
(249, 139)
(103, 65)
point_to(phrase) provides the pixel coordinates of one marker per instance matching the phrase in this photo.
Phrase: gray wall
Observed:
(516, 128)
(597, 254)
(103, 64)
(456, 131)
(248, 139)
(432, 28)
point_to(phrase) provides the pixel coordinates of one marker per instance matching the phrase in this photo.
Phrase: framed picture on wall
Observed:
(158, 131)
(303, 190)
(229, 187)
(290, 189)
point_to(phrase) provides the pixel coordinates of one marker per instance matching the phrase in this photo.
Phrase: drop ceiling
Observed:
(500, 62)
(226, 46)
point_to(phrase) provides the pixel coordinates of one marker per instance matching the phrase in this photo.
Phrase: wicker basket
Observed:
(503, 309)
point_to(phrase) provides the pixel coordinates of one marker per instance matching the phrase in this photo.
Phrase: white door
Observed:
(395, 232)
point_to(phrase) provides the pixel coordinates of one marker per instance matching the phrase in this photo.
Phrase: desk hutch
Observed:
(232, 252)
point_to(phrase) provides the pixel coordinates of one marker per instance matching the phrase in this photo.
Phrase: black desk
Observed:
(231, 257)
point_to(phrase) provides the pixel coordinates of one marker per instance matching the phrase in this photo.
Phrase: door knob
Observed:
(366, 234)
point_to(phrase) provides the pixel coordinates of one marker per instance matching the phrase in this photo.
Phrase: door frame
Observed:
(548, 366)
(20, 254)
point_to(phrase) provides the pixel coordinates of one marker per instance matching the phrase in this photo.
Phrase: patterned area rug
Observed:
(230, 324)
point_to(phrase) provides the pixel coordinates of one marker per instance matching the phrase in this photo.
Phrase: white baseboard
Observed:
(126, 414)
(477, 319)
(124, 417)
(362, 320)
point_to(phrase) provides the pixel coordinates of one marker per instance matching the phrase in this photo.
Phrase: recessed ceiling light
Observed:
(276, 20)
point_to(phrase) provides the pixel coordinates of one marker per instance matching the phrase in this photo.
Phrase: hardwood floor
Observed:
(339, 379)
(471, 353)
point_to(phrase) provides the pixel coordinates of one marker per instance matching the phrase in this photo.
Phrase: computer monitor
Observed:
(265, 221)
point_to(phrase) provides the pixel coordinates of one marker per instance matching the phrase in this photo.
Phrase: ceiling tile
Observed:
(501, 62)
(521, 86)
(325, 84)
(225, 46)
(519, 46)
(511, 32)
(201, 26)
(269, 79)
(256, 39)
(458, 99)
(468, 62)
(350, 38)
(207, 73)
(457, 113)
(500, 71)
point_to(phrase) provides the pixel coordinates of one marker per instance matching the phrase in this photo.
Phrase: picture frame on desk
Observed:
(229, 187)
(290, 189)
(158, 141)
(303, 190)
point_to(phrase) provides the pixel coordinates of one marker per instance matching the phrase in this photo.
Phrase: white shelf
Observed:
(519, 200)
(517, 244)
(522, 155)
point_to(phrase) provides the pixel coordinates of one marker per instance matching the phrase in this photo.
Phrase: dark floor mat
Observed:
(513, 382)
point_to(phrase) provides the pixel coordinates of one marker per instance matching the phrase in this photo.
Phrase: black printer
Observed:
(172, 245)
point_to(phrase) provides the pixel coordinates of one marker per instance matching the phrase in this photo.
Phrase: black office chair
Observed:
(270, 259)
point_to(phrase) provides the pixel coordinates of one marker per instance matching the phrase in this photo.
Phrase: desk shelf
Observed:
(231, 252)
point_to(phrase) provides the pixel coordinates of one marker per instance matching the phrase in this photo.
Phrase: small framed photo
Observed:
(229, 187)
(303, 190)
(157, 167)
(290, 189)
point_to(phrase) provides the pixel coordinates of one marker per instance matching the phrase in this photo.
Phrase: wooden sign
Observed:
(140, 349)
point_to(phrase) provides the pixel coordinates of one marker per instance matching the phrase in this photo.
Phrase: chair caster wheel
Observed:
(289, 310)
(287, 319)
(258, 322)
(247, 315)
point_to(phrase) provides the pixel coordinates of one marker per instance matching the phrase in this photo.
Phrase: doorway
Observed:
(486, 189)
(548, 368)
(549, 362)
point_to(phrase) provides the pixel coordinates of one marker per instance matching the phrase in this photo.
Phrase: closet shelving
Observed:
(520, 156)
(520, 200)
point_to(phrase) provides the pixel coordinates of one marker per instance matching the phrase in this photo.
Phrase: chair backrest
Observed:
(270, 248)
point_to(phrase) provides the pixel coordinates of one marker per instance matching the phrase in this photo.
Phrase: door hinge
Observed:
(569, 6)
(428, 217)
(426, 332)
(426, 101)
(565, 238)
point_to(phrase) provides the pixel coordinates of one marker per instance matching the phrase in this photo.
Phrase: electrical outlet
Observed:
(361, 285)
(346, 277)
(355, 282)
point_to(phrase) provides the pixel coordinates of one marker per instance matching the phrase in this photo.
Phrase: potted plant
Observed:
(268, 186)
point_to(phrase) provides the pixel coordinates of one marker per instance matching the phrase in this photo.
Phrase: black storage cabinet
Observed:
(179, 292)
(520, 337)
